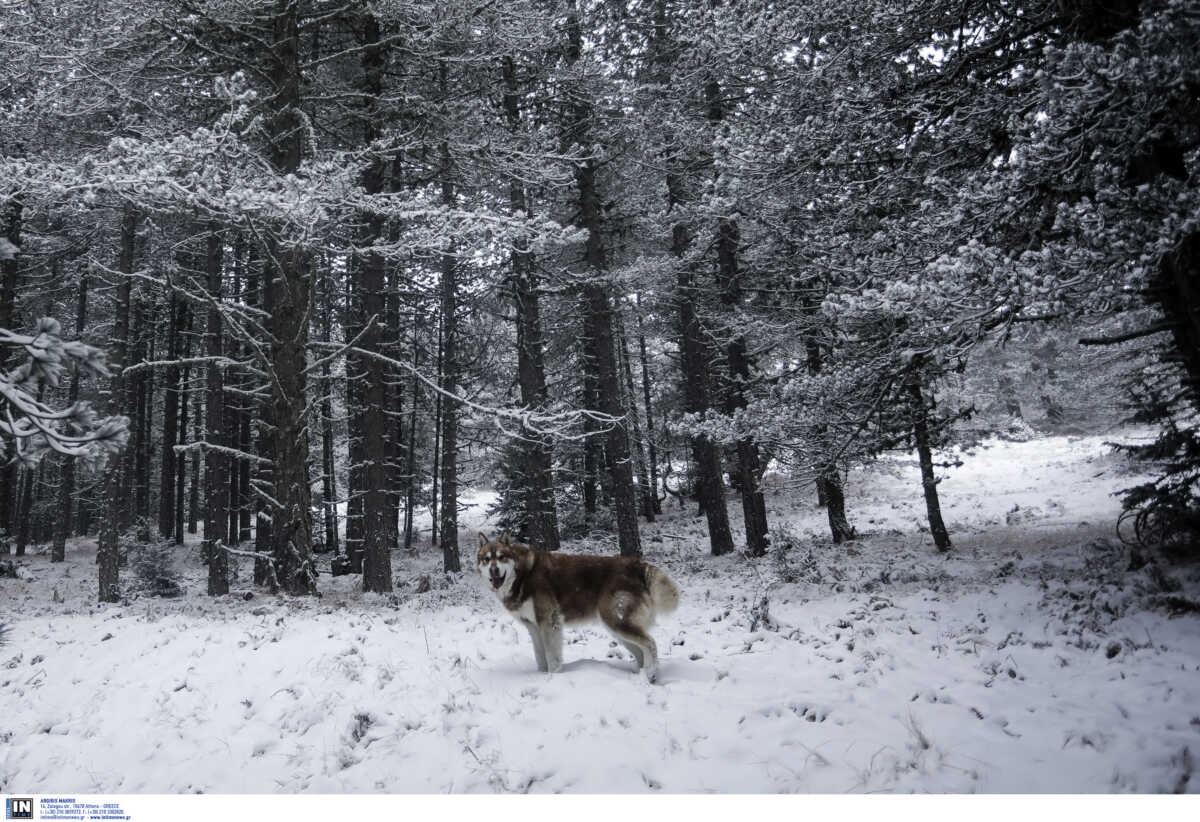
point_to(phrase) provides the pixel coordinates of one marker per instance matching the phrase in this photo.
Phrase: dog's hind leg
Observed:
(539, 651)
(631, 635)
(624, 618)
(636, 650)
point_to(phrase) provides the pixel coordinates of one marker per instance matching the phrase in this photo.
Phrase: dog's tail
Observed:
(663, 591)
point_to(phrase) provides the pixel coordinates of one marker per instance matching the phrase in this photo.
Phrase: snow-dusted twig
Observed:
(344, 348)
(202, 445)
(219, 361)
(545, 424)
(239, 552)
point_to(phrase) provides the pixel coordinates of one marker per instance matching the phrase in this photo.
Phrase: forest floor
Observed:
(1027, 660)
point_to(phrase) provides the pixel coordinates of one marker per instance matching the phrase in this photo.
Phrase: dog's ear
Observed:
(505, 539)
(483, 539)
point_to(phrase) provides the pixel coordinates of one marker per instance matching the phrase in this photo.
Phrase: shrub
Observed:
(153, 565)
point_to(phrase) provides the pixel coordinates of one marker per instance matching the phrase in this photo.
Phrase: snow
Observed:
(1026, 661)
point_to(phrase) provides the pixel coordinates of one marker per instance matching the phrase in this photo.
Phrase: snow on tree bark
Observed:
(216, 464)
(538, 473)
(373, 391)
(108, 551)
(10, 272)
(637, 442)
(66, 489)
(749, 469)
(328, 463)
(448, 509)
(920, 426)
(173, 390)
(599, 321)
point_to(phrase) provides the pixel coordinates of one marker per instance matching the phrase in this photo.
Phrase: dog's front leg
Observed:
(552, 642)
(539, 650)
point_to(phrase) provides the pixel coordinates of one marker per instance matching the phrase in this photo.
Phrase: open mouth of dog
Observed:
(497, 578)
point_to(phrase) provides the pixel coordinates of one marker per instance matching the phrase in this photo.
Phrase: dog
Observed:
(546, 591)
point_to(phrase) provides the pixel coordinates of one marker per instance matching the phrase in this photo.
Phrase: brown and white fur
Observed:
(545, 591)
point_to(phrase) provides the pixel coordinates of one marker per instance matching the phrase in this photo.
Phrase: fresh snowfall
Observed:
(1026, 660)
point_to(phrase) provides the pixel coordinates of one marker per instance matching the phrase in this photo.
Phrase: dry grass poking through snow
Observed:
(1025, 661)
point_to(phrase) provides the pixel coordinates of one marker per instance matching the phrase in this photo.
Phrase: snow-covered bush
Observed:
(793, 556)
(508, 511)
(1016, 430)
(1164, 514)
(153, 565)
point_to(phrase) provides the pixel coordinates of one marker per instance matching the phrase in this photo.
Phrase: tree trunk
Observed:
(241, 435)
(66, 488)
(233, 473)
(449, 484)
(170, 421)
(410, 479)
(591, 447)
(28, 477)
(693, 359)
(182, 459)
(234, 406)
(435, 472)
(748, 468)
(682, 188)
(194, 489)
(393, 347)
(11, 270)
(39, 520)
(754, 508)
(245, 494)
(601, 360)
(291, 530)
(142, 387)
(258, 293)
(829, 486)
(355, 412)
(710, 486)
(541, 512)
(638, 443)
(929, 481)
(600, 343)
(829, 482)
(108, 548)
(376, 549)
(216, 477)
(291, 300)
(328, 464)
(650, 436)
(355, 374)
(1177, 293)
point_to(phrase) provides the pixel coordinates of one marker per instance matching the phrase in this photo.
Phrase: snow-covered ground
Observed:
(1025, 661)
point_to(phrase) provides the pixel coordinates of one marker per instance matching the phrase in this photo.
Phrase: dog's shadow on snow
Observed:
(668, 671)
(609, 667)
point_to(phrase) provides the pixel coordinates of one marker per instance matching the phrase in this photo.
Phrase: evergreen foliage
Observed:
(342, 252)
(153, 566)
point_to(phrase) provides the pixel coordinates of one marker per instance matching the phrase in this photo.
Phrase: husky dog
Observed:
(545, 591)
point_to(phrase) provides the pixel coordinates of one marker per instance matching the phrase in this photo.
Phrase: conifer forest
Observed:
(874, 324)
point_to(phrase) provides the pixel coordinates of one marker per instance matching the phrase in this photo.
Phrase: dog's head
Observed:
(501, 560)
